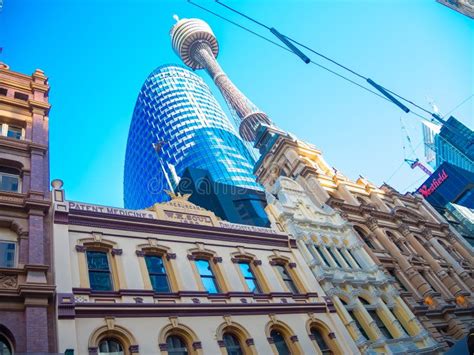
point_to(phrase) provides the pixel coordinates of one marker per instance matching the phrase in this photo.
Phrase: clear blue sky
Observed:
(97, 55)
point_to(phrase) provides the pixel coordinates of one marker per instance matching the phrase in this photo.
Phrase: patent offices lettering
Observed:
(109, 210)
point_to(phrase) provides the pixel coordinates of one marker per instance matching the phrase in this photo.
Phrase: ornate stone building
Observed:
(176, 279)
(26, 287)
(429, 265)
(367, 302)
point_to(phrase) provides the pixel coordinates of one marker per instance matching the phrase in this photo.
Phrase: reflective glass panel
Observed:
(207, 276)
(14, 132)
(4, 346)
(7, 254)
(99, 272)
(249, 277)
(176, 345)
(9, 183)
(323, 346)
(280, 343)
(287, 278)
(157, 272)
(232, 344)
(110, 347)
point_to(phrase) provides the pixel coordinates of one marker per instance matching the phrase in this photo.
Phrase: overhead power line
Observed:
(386, 92)
(458, 106)
(290, 51)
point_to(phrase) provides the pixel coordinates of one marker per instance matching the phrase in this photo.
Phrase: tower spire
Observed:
(196, 44)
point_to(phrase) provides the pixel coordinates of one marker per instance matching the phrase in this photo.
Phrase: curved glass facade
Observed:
(175, 107)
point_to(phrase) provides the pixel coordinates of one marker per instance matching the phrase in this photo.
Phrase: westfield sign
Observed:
(435, 183)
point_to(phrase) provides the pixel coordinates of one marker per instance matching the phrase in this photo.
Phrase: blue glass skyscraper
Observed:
(176, 112)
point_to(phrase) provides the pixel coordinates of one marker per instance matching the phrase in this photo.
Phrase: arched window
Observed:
(280, 342)
(157, 272)
(110, 346)
(232, 344)
(176, 345)
(100, 277)
(322, 344)
(5, 347)
(364, 237)
(10, 179)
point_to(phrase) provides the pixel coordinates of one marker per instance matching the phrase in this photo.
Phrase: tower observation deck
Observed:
(195, 43)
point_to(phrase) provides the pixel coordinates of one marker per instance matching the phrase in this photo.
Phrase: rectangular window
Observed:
(99, 272)
(321, 254)
(287, 278)
(14, 132)
(354, 258)
(249, 277)
(7, 254)
(9, 182)
(20, 96)
(380, 324)
(345, 259)
(333, 256)
(207, 276)
(358, 325)
(157, 272)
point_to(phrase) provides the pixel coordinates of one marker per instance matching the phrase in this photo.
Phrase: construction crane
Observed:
(412, 160)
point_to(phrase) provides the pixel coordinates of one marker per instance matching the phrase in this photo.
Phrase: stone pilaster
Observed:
(412, 274)
(438, 270)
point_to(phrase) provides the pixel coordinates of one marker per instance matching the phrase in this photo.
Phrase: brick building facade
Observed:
(26, 285)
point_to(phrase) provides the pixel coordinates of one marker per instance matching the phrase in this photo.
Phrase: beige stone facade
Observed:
(368, 303)
(431, 266)
(109, 291)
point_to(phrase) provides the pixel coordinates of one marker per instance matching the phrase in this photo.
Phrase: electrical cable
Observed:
(415, 182)
(288, 50)
(458, 106)
(396, 171)
(322, 55)
(240, 26)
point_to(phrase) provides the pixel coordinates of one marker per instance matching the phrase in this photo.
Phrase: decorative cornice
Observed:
(98, 310)
(194, 231)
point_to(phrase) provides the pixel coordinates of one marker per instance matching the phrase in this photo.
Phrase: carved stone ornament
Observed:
(257, 262)
(134, 349)
(372, 223)
(80, 248)
(8, 281)
(404, 229)
(170, 256)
